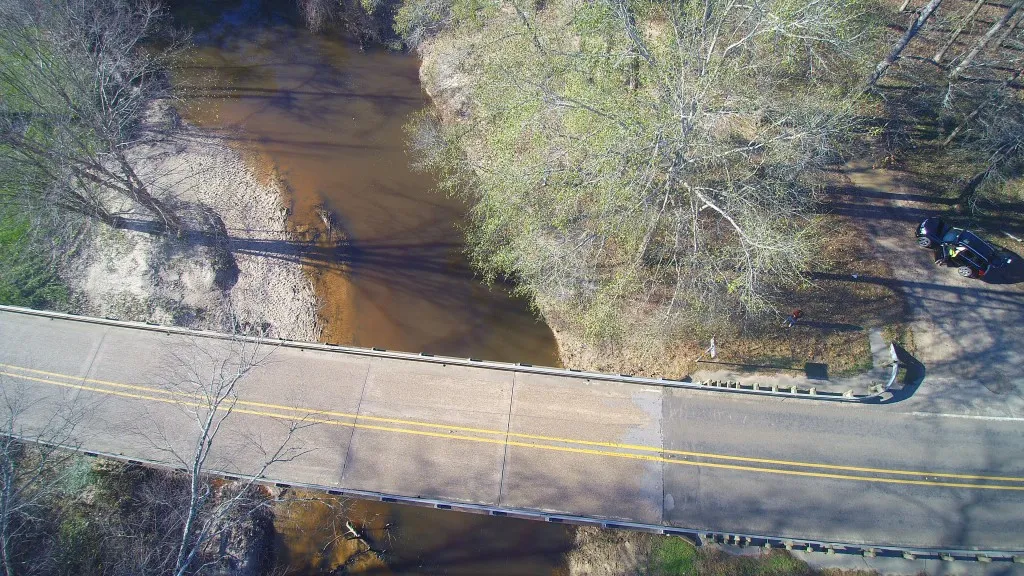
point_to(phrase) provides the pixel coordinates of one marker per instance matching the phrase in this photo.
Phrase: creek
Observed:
(328, 121)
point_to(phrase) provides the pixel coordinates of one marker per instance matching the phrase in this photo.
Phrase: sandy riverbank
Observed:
(237, 267)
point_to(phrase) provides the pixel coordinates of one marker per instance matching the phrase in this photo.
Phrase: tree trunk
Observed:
(5, 514)
(952, 39)
(995, 95)
(897, 50)
(1006, 35)
(984, 40)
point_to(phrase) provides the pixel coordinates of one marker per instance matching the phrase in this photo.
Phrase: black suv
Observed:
(972, 256)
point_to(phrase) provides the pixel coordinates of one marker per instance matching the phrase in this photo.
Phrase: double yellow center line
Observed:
(532, 441)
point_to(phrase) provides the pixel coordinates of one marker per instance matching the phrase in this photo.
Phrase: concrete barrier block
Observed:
(1018, 559)
(775, 387)
(848, 394)
(830, 550)
(869, 552)
(788, 544)
(946, 557)
(813, 391)
(809, 548)
(909, 556)
(757, 386)
(767, 545)
(984, 559)
(792, 389)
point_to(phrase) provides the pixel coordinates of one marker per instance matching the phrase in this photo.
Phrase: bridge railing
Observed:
(699, 536)
(878, 393)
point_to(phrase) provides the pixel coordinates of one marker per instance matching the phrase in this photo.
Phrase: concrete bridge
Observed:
(533, 442)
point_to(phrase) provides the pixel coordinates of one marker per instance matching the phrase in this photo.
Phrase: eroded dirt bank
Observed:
(235, 267)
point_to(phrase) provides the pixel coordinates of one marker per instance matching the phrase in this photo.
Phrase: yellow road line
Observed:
(502, 433)
(642, 457)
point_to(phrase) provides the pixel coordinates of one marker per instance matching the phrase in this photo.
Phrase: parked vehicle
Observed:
(972, 256)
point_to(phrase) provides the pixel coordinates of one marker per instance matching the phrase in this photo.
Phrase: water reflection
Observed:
(315, 539)
(330, 119)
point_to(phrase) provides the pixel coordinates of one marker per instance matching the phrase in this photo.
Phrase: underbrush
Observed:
(28, 275)
(846, 296)
(605, 552)
(677, 557)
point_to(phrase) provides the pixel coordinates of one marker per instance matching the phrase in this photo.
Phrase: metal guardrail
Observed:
(736, 387)
(698, 536)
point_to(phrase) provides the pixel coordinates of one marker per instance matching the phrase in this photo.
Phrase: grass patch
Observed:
(678, 557)
(28, 277)
(674, 556)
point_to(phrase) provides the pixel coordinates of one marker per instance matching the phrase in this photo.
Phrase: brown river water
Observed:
(328, 119)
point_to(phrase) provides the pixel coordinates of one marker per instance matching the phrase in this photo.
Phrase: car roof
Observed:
(984, 249)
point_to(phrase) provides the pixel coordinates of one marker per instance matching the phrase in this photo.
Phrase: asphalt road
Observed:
(705, 460)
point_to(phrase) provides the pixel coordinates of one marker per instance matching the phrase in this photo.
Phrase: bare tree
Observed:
(900, 46)
(34, 463)
(207, 377)
(994, 97)
(317, 13)
(1009, 31)
(983, 41)
(956, 33)
(76, 77)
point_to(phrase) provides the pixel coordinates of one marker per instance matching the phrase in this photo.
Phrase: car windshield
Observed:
(978, 245)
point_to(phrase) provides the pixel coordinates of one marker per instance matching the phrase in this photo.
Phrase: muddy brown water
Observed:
(328, 119)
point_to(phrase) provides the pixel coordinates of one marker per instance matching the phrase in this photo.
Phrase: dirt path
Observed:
(968, 334)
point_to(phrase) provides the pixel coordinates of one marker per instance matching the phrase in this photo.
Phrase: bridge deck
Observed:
(510, 439)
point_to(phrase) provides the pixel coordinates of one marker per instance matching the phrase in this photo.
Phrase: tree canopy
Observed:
(640, 166)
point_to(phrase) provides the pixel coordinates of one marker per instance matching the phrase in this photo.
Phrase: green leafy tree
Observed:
(639, 166)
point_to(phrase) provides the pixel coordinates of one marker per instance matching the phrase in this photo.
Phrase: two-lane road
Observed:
(700, 460)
